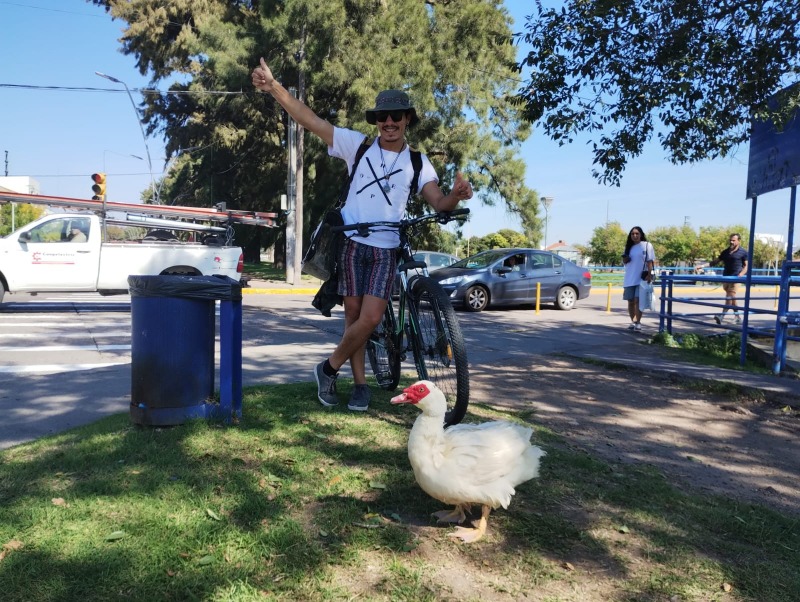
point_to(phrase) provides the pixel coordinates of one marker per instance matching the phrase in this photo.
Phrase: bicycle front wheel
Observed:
(439, 349)
(384, 357)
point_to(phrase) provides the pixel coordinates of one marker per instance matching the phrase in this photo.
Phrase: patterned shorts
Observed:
(366, 270)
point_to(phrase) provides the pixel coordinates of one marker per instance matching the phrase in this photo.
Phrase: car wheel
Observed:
(566, 298)
(476, 298)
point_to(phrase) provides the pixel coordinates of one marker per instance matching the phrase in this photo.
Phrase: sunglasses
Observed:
(384, 115)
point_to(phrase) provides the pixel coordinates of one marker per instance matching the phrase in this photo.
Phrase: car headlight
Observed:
(453, 280)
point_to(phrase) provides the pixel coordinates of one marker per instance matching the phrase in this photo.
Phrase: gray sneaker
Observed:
(326, 387)
(359, 400)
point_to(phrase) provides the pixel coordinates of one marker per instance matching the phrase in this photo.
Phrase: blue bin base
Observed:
(141, 414)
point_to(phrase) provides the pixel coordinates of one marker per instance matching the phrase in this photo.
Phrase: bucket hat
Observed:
(392, 100)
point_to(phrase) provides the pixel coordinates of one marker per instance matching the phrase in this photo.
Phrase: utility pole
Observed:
(291, 192)
(299, 163)
(13, 205)
(547, 201)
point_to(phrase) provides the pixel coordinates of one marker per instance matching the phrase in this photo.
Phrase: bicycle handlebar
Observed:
(441, 217)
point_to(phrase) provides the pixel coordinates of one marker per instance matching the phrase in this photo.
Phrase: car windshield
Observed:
(481, 260)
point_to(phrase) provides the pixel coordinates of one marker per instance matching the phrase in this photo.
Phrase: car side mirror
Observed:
(26, 236)
(504, 270)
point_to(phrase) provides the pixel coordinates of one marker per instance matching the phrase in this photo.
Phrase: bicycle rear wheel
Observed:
(384, 357)
(439, 349)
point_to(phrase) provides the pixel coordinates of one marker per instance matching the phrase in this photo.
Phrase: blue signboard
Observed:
(774, 155)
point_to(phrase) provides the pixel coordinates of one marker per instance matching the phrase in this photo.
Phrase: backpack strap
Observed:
(365, 144)
(416, 163)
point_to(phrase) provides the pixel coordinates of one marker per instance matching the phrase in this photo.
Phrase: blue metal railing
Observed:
(784, 318)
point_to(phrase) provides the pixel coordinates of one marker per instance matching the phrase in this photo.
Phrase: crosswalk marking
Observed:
(43, 348)
(61, 335)
(56, 368)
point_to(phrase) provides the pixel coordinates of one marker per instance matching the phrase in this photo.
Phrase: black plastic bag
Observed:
(323, 252)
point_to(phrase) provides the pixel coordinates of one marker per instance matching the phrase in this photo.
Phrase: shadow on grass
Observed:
(295, 493)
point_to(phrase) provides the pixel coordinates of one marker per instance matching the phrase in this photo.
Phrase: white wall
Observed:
(21, 184)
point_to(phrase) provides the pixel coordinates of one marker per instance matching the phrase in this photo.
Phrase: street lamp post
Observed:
(141, 127)
(106, 151)
(546, 202)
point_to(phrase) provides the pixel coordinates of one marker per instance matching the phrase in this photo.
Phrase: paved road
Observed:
(65, 361)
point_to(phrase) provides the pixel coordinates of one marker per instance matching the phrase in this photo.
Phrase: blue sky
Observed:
(61, 137)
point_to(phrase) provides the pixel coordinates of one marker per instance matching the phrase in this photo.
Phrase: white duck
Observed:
(467, 463)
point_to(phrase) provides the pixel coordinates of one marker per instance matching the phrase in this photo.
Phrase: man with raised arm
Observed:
(379, 191)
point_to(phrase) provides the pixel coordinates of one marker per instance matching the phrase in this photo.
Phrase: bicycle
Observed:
(423, 323)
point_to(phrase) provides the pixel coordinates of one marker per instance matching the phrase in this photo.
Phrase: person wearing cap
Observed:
(76, 235)
(379, 192)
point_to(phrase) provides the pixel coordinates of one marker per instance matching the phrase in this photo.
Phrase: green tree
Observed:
(494, 241)
(470, 246)
(455, 58)
(673, 245)
(713, 240)
(607, 244)
(768, 255)
(514, 238)
(24, 213)
(690, 73)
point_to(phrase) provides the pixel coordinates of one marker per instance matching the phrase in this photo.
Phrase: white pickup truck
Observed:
(66, 252)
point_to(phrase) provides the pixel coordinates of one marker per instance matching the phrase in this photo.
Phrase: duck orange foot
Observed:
(456, 515)
(467, 535)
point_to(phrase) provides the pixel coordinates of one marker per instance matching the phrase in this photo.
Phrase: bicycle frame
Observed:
(406, 262)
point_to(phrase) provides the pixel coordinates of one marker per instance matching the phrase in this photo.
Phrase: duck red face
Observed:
(413, 394)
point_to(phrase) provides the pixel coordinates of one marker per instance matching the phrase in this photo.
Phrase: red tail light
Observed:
(588, 275)
(240, 264)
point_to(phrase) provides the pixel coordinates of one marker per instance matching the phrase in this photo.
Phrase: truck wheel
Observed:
(2, 291)
(180, 270)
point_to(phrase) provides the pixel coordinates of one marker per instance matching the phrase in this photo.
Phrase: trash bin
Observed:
(173, 343)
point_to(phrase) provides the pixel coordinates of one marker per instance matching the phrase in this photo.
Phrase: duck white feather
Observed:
(467, 463)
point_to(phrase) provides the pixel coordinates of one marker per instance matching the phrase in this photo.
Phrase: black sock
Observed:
(328, 370)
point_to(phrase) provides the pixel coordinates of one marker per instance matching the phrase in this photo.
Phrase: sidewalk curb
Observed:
(651, 361)
(279, 291)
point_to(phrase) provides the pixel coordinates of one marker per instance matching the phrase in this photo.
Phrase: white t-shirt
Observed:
(633, 269)
(367, 201)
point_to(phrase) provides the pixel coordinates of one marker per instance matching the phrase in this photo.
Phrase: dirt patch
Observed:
(744, 449)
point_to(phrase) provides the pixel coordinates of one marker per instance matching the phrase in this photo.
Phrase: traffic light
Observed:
(99, 187)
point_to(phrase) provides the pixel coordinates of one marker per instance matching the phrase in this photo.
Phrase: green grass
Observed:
(297, 502)
(268, 271)
(722, 351)
(603, 279)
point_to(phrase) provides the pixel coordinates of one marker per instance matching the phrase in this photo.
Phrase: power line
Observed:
(151, 91)
(85, 175)
(53, 10)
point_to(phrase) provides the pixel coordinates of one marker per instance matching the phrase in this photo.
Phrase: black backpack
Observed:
(416, 163)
